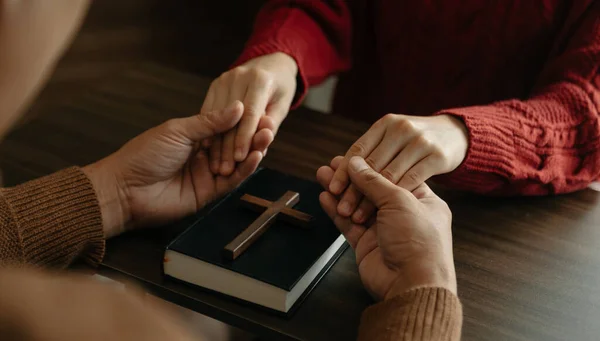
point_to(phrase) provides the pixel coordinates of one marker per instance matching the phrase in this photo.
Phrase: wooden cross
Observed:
(270, 211)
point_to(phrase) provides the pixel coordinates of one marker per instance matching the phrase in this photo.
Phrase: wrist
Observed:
(288, 61)
(111, 197)
(424, 275)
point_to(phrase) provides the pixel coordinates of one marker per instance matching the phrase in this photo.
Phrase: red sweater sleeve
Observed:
(548, 143)
(317, 34)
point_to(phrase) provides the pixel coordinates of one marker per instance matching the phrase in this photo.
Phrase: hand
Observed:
(407, 151)
(409, 244)
(163, 175)
(266, 85)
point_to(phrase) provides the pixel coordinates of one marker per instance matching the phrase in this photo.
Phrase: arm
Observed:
(316, 34)
(36, 305)
(548, 143)
(420, 314)
(51, 221)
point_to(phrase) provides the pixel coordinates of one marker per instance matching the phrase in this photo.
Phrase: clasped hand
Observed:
(406, 150)
(163, 174)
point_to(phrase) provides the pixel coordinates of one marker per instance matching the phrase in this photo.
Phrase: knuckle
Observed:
(237, 72)
(389, 118)
(424, 142)
(386, 173)
(252, 110)
(371, 162)
(261, 76)
(413, 177)
(357, 149)
(371, 177)
(404, 126)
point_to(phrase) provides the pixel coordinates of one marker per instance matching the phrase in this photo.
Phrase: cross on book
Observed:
(270, 211)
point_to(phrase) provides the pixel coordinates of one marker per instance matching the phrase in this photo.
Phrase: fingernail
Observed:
(335, 186)
(345, 209)
(238, 154)
(359, 216)
(358, 164)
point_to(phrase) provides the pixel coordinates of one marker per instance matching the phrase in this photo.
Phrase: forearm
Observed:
(51, 221)
(37, 305)
(546, 145)
(432, 314)
(549, 142)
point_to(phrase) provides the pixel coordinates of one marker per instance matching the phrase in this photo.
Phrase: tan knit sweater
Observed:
(51, 221)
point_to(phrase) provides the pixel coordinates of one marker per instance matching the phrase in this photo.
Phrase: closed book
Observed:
(279, 267)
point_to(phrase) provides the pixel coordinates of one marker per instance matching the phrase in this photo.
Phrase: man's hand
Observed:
(404, 149)
(408, 245)
(163, 174)
(266, 86)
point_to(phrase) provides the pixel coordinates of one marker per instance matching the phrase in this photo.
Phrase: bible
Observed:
(267, 243)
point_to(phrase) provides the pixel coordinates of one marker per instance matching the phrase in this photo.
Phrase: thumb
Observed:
(379, 190)
(205, 125)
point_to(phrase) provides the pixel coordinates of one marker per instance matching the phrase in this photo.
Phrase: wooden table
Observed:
(528, 268)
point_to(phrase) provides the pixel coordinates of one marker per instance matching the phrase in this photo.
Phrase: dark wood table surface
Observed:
(528, 268)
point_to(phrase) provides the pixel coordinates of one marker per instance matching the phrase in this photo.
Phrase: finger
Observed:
(325, 173)
(336, 162)
(400, 163)
(362, 147)
(423, 191)
(382, 155)
(201, 174)
(277, 112)
(352, 232)
(209, 100)
(206, 143)
(255, 102)
(266, 123)
(262, 140)
(243, 171)
(364, 211)
(324, 176)
(349, 202)
(227, 161)
(207, 106)
(408, 157)
(215, 155)
(237, 90)
(379, 190)
(419, 173)
(193, 129)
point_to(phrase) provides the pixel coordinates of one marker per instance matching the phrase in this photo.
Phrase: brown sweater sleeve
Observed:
(423, 314)
(51, 221)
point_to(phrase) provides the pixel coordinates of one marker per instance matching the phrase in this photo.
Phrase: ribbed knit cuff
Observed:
(58, 219)
(491, 151)
(419, 314)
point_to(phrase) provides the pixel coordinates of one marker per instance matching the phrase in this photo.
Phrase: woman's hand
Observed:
(406, 150)
(163, 174)
(266, 86)
(409, 243)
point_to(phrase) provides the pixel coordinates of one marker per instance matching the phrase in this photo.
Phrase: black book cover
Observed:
(279, 257)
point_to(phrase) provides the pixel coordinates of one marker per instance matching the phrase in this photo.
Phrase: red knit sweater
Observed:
(524, 76)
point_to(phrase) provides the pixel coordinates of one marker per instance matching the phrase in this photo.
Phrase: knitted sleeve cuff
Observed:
(491, 155)
(57, 219)
(419, 314)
